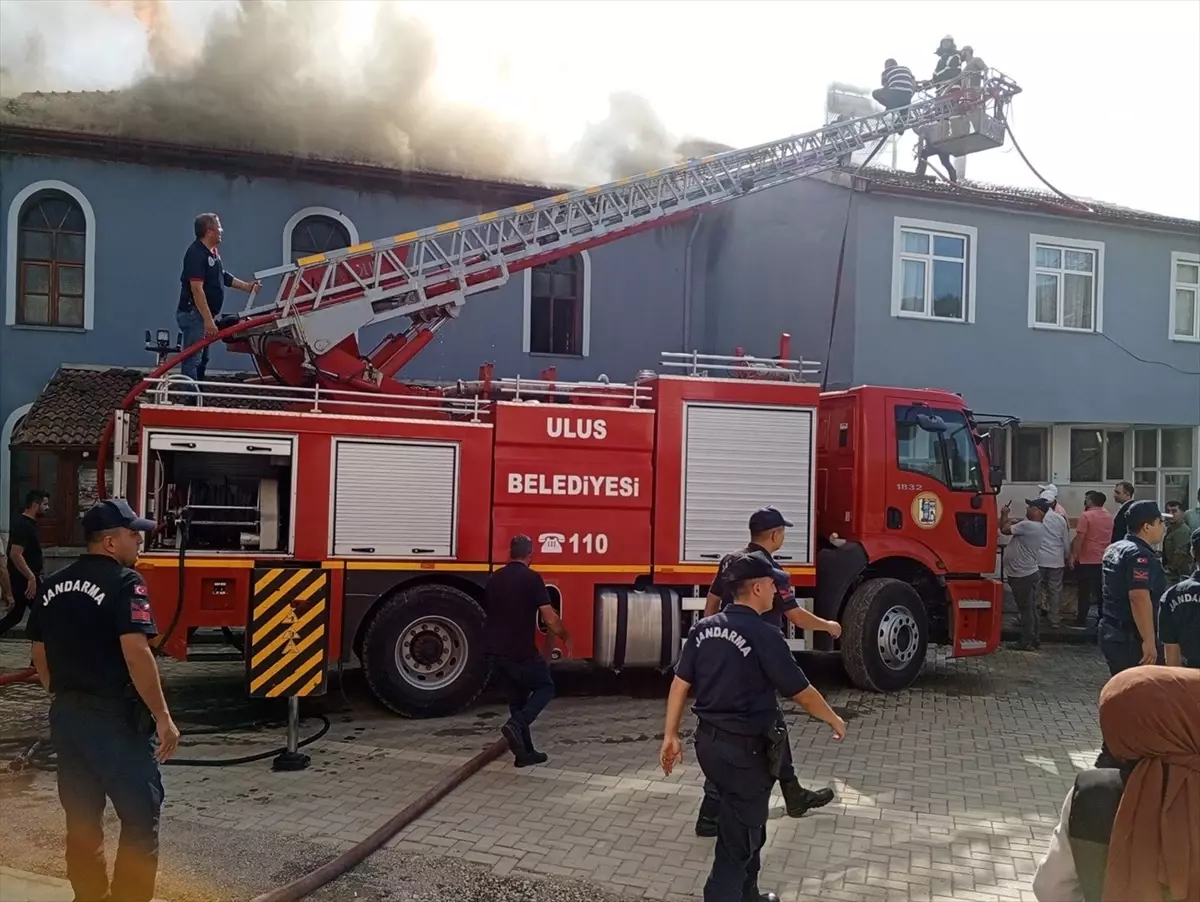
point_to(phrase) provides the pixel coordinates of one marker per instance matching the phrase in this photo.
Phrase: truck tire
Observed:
(423, 651)
(884, 635)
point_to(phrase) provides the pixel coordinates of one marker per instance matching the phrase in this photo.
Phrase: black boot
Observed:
(532, 755)
(706, 819)
(800, 801)
(523, 755)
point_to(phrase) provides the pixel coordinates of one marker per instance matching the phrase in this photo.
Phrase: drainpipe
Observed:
(685, 342)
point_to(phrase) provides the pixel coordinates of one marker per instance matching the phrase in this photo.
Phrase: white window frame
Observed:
(585, 315)
(11, 422)
(1067, 244)
(934, 229)
(89, 256)
(301, 215)
(1178, 257)
(1062, 447)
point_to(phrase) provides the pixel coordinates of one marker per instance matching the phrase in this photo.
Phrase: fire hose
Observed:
(358, 853)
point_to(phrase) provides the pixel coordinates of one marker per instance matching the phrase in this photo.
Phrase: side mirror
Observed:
(996, 478)
(931, 423)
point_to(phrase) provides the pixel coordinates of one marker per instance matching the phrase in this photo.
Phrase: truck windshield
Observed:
(950, 457)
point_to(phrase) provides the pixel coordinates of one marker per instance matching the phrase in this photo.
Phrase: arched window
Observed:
(51, 260)
(317, 234)
(557, 306)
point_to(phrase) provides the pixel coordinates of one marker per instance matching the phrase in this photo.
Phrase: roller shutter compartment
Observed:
(726, 477)
(395, 499)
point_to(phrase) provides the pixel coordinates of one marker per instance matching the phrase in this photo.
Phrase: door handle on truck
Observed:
(363, 550)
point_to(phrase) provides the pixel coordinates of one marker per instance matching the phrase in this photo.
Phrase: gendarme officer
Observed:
(1134, 581)
(1179, 616)
(768, 528)
(738, 664)
(90, 629)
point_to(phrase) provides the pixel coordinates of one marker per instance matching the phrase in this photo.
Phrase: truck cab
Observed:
(907, 530)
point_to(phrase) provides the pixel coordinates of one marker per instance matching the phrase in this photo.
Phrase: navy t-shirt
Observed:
(511, 600)
(203, 265)
(1179, 618)
(785, 596)
(739, 664)
(81, 614)
(25, 534)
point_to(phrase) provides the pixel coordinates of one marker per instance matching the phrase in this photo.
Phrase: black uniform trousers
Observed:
(711, 802)
(102, 754)
(1122, 650)
(737, 768)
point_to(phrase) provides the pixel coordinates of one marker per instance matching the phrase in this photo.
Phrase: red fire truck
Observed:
(326, 477)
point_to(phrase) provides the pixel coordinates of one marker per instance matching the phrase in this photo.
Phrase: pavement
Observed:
(947, 792)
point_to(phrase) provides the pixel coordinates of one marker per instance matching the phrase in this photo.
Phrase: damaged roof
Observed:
(103, 125)
(891, 181)
(76, 404)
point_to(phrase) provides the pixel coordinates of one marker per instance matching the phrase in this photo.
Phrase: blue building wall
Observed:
(144, 221)
(999, 363)
(759, 266)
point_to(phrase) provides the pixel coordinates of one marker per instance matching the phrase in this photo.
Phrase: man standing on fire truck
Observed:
(90, 630)
(767, 530)
(202, 292)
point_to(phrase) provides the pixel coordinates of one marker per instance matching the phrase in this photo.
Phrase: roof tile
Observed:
(76, 404)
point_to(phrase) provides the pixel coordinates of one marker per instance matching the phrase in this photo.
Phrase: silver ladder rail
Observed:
(438, 266)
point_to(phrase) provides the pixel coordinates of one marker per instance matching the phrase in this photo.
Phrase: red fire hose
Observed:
(356, 854)
(28, 675)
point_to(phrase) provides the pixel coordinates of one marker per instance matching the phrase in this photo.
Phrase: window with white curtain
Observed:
(933, 270)
(1066, 284)
(1185, 297)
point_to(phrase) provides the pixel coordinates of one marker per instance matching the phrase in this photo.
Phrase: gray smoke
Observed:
(262, 82)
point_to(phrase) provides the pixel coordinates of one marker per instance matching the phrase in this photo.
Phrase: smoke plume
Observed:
(265, 80)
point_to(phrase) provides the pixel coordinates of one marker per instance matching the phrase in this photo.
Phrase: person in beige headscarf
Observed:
(1133, 834)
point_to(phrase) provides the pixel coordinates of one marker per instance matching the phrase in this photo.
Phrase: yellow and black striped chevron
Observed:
(287, 632)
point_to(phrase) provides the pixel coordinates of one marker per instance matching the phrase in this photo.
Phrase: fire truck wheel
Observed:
(423, 652)
(884, 635)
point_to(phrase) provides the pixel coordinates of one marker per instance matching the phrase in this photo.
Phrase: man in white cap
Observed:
(1050, 493)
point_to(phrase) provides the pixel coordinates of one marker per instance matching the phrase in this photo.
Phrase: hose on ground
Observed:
(358, 853)
(39, 752)
(28, 675)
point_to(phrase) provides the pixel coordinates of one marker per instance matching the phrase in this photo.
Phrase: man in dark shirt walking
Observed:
(202, 287)
(768, 527)
(24, 553)
(514, 596)
(739, 664)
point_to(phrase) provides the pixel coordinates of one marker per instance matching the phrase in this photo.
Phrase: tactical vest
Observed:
(1094, 803)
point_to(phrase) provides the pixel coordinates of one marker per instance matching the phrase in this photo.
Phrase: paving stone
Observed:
(946, 791)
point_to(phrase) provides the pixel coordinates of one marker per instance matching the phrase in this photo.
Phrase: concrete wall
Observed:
(999, 363)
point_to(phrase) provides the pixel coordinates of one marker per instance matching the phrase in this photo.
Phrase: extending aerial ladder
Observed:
(324, 300)
(308, 335)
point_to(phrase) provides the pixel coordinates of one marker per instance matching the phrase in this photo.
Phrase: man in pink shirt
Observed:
(1092, 532)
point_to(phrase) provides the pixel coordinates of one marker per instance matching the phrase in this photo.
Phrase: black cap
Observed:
(753, 565)
(766, 519)
(1195, 539)
(1141, 513)
(113, 513)
(1042, 504)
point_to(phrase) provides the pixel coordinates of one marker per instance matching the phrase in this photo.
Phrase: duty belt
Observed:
(749, 743)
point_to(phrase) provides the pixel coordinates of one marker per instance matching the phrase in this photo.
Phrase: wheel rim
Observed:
(431, 653)
(897, 638)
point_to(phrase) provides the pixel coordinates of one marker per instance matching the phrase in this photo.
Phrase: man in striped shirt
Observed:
(898, 86)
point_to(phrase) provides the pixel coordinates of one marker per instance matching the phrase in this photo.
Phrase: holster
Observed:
(776, 738)
(140, 718)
